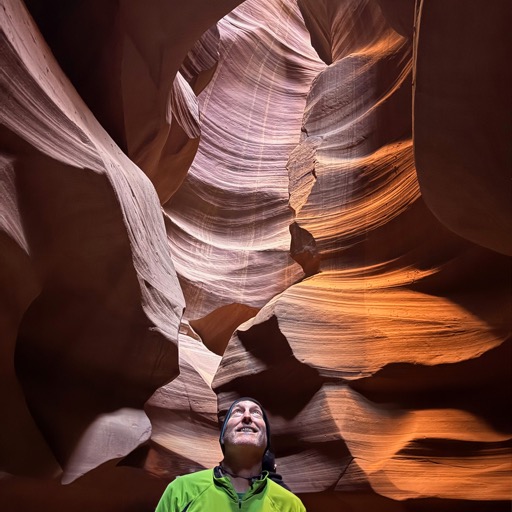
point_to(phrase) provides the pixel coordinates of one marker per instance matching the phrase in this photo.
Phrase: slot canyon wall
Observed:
(304, 201)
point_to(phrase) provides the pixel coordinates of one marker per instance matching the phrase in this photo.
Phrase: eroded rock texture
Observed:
(326, 227)
(90, 300)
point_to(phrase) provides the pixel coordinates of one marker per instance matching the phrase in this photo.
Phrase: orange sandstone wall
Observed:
(306, 201)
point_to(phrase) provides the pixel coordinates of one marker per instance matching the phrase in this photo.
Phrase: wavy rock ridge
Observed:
(326, 227)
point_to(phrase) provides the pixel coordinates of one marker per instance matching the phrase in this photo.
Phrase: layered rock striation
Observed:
(304, 201)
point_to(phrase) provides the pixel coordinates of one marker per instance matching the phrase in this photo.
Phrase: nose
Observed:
(246, 417)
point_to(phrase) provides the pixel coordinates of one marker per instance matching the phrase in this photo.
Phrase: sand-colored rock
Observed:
(391, 293)
(184, 415)
(231, 214)
(327, 200)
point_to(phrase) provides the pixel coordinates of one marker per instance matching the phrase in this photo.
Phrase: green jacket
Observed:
(205, 492)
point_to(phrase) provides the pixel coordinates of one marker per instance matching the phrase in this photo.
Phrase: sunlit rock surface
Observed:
(329, 203)
(231, 215)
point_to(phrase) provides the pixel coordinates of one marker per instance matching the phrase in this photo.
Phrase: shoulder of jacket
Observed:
(203, 476)
(280, 496)
(195, 482)
(184, 489)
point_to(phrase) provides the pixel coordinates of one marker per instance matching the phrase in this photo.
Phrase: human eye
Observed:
(257, 413)
(237, 412)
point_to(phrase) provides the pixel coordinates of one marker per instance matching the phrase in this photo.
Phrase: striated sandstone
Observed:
(231, 215)
(333, 179)
(391, 294)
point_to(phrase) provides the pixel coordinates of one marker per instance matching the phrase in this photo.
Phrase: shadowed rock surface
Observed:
(304, 201)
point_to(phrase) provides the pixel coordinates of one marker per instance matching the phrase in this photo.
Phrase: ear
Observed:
(269, 462)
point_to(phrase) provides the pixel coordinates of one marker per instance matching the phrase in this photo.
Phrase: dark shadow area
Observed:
(303, 250)
(462, 112)
(160, 462)
(85, 346)
(333, 501)
(286, 385)
(84, 37)
(446, 505)
(283, 389)
(216, 328)
(261, 337)
(480, 386)
(450, 448)
(372, 502)
(108, 488)
(400, 15)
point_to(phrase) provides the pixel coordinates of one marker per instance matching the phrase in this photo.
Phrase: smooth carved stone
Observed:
(93, 331)
(231, 215)
(389, 440)
(123, 60)
(317, 278)
(462, 118)
(215, 330)
(408, 448)
(167, 160)
(184, 416)
(399, 302)
(364, 177)
(339, 28)
(24, 450)
(160, 111)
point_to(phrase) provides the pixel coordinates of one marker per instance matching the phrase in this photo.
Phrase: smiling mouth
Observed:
(247, 430)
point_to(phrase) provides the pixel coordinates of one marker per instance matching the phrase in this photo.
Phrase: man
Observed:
(245, 480)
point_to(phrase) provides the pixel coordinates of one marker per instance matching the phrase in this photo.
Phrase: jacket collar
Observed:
(257, 484)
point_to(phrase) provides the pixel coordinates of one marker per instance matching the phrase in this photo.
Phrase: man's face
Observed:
(246, 426)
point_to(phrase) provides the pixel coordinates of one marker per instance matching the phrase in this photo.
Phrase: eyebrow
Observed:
(251, 409)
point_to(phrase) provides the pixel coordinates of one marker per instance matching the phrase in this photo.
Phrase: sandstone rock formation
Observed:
(91, 301)
(326, 227)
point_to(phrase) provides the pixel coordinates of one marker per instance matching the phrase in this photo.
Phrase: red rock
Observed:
(332, 177)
